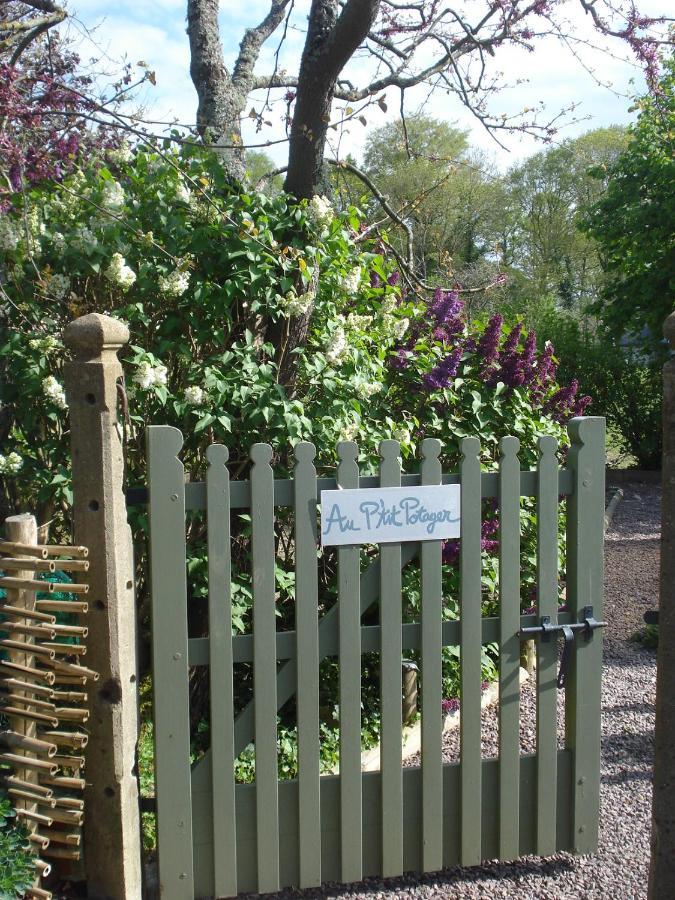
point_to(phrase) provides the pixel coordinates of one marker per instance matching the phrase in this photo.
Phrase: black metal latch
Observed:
(545, 629)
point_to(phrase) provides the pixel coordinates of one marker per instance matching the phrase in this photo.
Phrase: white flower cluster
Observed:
(295, 305)
(367, 389)
(59, 241)
(349, 431)
(121, 154)
(9, 236)
(358, 322)
(44, 345)
(402, 434)
(352, 280)
(58, 286)
(10, 464)
(175, 284)
(338, 347)
(113, 196)
(85, 240)
(182, 193)
(399, 328)
(194, 395)
(53, 390)
(119, 272)
(148, 376)
(320, 211)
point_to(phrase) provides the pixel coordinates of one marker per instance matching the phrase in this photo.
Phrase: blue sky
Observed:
(154, 31)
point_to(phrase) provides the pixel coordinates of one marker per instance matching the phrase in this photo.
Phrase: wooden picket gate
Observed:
(217, 838)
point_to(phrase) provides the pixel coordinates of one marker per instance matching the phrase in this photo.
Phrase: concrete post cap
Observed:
(669, 330)
(90, 335)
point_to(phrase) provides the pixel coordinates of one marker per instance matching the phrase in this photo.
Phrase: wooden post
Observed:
(662, 869)
(23, 530)
(112, 846)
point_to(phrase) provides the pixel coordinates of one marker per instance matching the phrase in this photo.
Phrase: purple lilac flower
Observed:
(440, 375)
(445, 305)
(394, 278)
(450, 552)
(375, 280)
(529, 610)
(488, 346)
(449, 705)
(512, 340)
(401, 360)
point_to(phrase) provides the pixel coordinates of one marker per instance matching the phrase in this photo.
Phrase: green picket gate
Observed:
(216, 837)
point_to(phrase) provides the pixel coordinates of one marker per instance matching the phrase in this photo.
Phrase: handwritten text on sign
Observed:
(390, 515)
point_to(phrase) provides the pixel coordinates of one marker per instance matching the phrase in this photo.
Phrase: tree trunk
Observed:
(220, 105)
(331, 42)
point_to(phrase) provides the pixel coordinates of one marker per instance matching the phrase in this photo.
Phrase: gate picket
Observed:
(585, 536)
(265, 668)
(168, 579)
(220, 674)
(349, 612)
(307, 636)
(432, 679)
(470, 654)
(547, 651)
(509, 652)
(391, 652)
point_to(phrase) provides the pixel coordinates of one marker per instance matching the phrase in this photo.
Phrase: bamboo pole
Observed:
(44, 867)
(70, 668)
(29, 688)
(39, 839)
(18, 613)
(39, 631)
(13, 781)
(72, 715)
(67, 816)
(74, 630)
(65, 606)
(69, 762)
(33, 565)
(69, 803)
(30, 716)
(44, 705)
(19, 548)
(42, 674)
(29, 762)
(38, 893)
(71, 697)
(66, 649)
(35, 649)
(34, 798)
(59, 853)
(68, 738)
(26, 583)
(62, 781)
(60, 678)
(35, 817)
(23, 742)
(73, 565)
(71, 838)
(75, 552)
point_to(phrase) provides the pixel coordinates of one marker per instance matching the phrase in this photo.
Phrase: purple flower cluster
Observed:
(449, 705)
(440, 375)
(488, 345)
(564, 403)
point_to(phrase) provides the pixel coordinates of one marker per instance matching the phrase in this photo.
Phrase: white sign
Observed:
(389, 515)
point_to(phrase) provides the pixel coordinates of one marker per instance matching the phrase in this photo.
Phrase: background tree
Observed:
(399, 46)
(634, 222)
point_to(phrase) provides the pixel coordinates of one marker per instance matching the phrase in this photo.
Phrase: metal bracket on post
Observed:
(546, 628)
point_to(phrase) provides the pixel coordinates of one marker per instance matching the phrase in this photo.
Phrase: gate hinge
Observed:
(546, 628)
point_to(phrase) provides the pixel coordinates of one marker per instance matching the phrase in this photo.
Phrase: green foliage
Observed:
(634, 222)
(626, 386)
(17, 863)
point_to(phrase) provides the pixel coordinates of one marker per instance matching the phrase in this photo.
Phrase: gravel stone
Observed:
(619, 869)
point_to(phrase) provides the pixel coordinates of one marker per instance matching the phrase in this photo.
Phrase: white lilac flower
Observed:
(53, 390)
(9, 236)
(113, 196)
(58, 286)
(10, 464)
(175, 284)
(85, 240)
(352, 280)
(121, 154)
(320, 211)
(148, 376)
(194, 395)
(44, 345)
(402, 434)
(119, 272)
(400, 328)
(367, 389)
(337, 346)
(182, 193)
(295, 305)
(59, 241)
(358, 322)
(349, 431)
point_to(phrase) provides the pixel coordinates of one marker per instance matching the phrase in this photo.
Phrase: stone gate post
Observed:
(111, 829)
(662, 869)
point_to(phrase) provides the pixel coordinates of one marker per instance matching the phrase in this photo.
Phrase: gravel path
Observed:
(619, 869)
